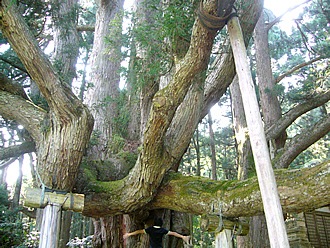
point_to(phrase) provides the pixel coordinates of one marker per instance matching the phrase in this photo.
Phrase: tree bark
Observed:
(102, 98)
(244, 158)
(17, 150)
(198, 195)
(270, 106)
(66, 39)
(61, 135)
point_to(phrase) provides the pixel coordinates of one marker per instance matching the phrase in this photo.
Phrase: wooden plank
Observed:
(267, 184)
(35, 198)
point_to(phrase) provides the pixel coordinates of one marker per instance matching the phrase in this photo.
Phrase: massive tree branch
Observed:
(299, 190)
(62, 138)
(16, 151)
(198, 100)
(59, 97)
(155, 158)
(302, 141)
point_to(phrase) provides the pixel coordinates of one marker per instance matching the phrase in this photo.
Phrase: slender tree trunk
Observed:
(271, 109)
(212, 146)
(65, 229)
(18, 185)
(243, 147)
(198, 153)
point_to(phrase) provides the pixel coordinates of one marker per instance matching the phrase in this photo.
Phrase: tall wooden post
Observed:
(223, 239)
(267, 184)
(50, 226)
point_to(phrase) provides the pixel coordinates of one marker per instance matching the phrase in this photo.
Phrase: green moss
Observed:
(106, 187)
(203, 186)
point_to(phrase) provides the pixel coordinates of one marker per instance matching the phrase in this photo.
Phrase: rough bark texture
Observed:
(223, 74)
(270, 106)
(60, 137)
(244, 158)
(299, 190)
(102, 98)
(66, 39)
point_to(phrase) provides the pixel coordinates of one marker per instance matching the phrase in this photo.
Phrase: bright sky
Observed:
(278, 7)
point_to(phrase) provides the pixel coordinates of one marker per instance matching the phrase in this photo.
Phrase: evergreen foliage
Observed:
(11, 228)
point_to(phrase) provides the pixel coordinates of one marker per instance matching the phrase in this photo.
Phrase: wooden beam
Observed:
(266, 179)
(36, 198)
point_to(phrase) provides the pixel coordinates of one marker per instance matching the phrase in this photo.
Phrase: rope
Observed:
(212, 22)
(45, 189)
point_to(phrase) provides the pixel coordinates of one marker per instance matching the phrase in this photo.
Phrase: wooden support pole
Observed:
(267, 184)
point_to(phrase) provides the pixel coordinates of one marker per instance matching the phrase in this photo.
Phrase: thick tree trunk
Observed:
(62, 134)
(66, 38)
(103, 96)
(134, 222)
(258, 235)
(103, 101)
